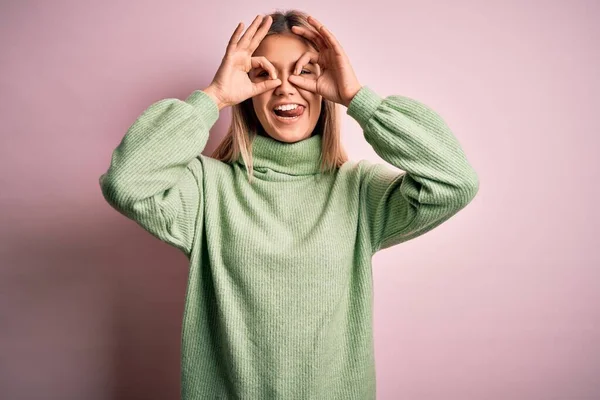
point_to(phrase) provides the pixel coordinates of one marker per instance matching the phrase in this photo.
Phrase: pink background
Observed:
(500, 302)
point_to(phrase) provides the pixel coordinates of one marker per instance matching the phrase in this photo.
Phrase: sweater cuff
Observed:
(363, 105)
(206, 106)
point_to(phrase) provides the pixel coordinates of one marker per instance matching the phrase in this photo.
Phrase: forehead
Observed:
(282, 48)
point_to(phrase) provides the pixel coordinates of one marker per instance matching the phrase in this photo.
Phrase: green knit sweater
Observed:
(279, 295)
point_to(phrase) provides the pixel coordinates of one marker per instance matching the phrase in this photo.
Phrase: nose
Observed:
(286, 86)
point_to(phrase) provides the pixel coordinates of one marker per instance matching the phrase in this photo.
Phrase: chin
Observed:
(289, 137)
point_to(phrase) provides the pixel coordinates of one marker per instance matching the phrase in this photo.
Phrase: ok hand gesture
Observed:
(231, 84)
(337, 81)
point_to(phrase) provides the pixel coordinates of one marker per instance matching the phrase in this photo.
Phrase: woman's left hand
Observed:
(336, 81)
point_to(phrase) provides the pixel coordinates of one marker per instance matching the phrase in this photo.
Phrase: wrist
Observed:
(353, 93)
(212, 93)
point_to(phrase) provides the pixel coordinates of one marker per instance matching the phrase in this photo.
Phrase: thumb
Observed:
(304, 83)
(268, 84)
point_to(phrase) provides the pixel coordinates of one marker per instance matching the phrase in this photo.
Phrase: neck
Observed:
(299, 158)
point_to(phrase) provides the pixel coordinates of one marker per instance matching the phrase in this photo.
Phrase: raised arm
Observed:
(155, 175)
(438, 180)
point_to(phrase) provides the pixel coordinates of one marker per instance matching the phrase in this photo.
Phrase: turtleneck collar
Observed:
(300, 158)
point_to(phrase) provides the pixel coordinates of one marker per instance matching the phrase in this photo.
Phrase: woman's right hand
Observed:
(231, 84)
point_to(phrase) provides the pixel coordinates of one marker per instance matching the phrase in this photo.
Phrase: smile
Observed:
(288, 120)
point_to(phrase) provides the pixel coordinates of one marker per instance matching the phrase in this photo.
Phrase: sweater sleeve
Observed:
(438, 180)
(155, 174)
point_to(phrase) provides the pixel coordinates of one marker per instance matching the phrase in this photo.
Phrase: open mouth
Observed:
(289, 120)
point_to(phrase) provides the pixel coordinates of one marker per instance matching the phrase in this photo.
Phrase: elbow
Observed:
(112, 192)
(467, 190)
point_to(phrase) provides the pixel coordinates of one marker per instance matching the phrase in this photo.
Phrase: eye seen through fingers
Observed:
(265, 73)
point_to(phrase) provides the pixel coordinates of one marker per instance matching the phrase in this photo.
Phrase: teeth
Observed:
(286, 107)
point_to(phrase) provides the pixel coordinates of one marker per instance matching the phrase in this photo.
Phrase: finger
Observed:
(315, 23)
(309, 56)
(303, 83)
(245, 40)
(260, 34)
(262, 62)
(331, 40)
(326, 34)
(315, 37)
(261, 87)
(318, 69)
(235, 36)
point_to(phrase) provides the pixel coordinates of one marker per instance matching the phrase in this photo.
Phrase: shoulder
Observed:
(366, 169)
(207, 165)
(213, 163)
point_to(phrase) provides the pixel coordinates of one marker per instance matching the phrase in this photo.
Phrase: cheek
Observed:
(259, 106)
(316, 108)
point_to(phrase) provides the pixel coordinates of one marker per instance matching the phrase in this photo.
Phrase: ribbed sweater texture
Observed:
(279, 295)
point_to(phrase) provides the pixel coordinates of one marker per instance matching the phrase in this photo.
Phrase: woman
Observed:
(278, 225)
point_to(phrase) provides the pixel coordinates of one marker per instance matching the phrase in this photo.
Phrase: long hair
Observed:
(245, 124)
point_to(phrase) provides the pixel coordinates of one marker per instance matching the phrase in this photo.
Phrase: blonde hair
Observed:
(245, 124)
